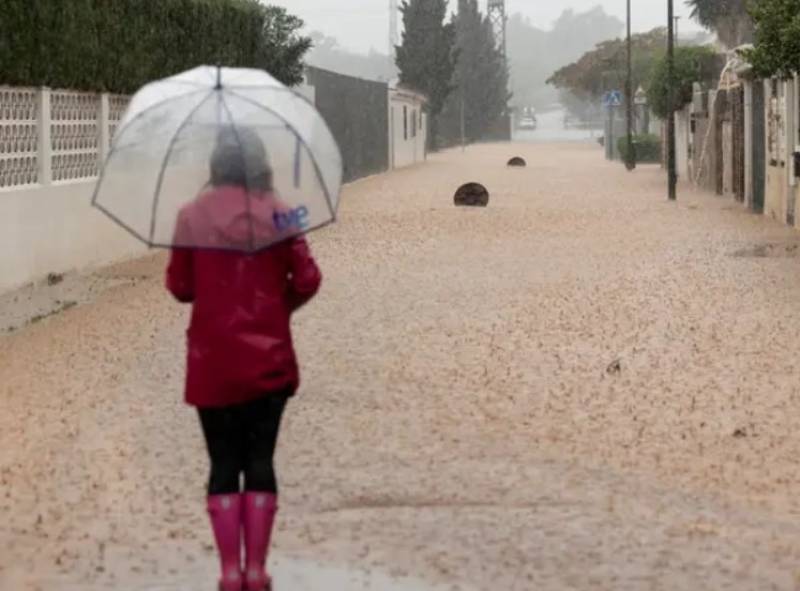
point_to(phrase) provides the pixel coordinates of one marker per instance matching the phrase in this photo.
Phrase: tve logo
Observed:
(290, 220)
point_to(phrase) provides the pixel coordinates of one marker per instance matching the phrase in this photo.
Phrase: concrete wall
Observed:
(408, 128)
(357, 113)
(53, 143)
(52, 230)
(781, 189)
(682, 135)
(748, 143)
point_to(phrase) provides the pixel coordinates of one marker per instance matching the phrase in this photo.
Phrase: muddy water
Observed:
(581, 386)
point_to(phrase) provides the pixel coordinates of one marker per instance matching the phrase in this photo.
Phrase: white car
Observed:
(527, 122)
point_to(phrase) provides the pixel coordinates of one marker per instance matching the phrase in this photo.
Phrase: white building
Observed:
(408, 127)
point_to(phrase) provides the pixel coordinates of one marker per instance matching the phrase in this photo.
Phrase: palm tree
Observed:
(728, 18)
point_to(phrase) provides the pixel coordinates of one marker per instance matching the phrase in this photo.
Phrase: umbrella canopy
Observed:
(220, 158)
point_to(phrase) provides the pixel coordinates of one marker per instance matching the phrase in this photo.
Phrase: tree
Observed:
(692, 64)
(728, 18)
(481, 76)
(604, 68)
(76, 43)
(283, 47)
(776, 51)
(425, 58)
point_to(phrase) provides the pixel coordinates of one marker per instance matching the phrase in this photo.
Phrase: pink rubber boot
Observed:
(225, 512)
(259, 517)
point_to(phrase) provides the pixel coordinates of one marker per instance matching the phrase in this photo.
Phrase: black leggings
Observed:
(241, 439)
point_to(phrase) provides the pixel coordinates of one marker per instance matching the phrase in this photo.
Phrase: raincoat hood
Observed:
(230, 217)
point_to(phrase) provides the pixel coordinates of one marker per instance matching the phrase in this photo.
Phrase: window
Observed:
(414, 123)
(405, 122)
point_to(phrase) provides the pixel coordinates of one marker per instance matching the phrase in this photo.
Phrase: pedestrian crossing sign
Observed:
(612, 98)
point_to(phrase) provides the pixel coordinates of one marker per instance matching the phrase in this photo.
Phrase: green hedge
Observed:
(647, 148)
(118, 45)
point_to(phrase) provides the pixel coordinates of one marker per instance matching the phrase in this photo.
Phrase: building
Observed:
(408, 127)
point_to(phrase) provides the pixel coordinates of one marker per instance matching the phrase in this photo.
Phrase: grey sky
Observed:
(362, 24)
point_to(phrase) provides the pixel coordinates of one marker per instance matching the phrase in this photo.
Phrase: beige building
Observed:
(782, 147)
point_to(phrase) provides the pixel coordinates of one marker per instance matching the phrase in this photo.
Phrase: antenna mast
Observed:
(498, 17)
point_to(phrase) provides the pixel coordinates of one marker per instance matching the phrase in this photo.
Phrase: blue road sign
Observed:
(613, 98)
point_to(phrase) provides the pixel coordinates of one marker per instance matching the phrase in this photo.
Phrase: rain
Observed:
(399, 295)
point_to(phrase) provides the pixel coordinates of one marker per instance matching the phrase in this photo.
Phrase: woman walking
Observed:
(241, 367)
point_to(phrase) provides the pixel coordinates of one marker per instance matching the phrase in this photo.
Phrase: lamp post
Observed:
(630, 157)
(671, 172)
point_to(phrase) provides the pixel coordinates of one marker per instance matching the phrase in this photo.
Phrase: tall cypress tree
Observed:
(425, 59)
(481, 75)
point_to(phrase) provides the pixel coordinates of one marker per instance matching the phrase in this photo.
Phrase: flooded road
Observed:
(551, 128)
(582, 387)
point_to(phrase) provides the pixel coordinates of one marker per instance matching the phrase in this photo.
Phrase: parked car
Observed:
(528, 122)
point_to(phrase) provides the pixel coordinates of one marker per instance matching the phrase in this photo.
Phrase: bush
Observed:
(692, 64)
(647, 148)
(119, 45)
(777, 39)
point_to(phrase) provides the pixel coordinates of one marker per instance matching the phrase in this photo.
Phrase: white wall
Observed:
(47, 224)
(53, 230)
(407, 128)
(682, 142)
(748, 143)
(51, 148)
(781, 185)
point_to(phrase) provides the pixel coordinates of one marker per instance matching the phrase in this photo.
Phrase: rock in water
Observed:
(472, 195)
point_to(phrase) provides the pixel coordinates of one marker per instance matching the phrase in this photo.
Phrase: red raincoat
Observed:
(239, 339)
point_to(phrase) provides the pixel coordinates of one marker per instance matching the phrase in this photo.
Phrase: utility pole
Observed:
(630, 156)
(671, 172)
(496, 11)
(463, 124)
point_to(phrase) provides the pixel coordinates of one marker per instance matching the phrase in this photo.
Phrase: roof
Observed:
(408, 94)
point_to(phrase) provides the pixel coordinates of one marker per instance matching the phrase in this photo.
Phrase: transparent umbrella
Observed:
(220, 158)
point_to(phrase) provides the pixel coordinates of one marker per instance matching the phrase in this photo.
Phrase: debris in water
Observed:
(54, 278)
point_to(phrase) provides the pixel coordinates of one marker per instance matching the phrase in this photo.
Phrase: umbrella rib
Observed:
(161, 172)
(298, 154)
(311, 155)
(247, 183)
(113, 148)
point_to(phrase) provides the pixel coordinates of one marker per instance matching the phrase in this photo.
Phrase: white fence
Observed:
(49, 136)
(51, 147)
